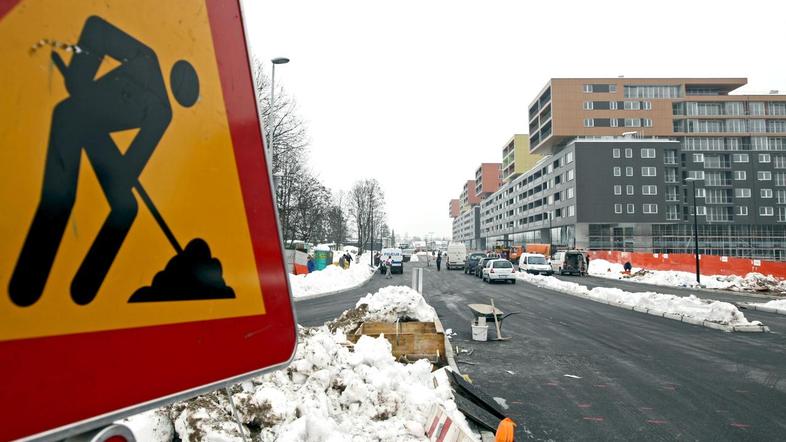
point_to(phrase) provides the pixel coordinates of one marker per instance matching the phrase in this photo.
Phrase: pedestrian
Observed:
(310, 264)
(341, 261)
(627, 267)
(348, 259)
(439, 260)
(388, 265)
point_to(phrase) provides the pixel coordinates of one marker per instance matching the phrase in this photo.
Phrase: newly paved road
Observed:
(632, 376)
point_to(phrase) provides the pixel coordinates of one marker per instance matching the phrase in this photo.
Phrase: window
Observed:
(781, 214)
(571, 210)
(742, 192)
(766, 193)
(780, 161)
(587, 88)
(735, 125)
(628, 171)
(701, 192)
(780, 196)
(646, 122)
(739, 158)
(629, 189)
(756, 108)
(570, 192)
(672, 213)
(568, 157)
(766, 211)
(701, 210)
(631, 208)
(648, 153)
(571, 174)
(756, 126)
(612, 88)
(648, 171)
(632, 122)
(617, 189)
(764, 158)
(614, 122)
(777, 108)
(740, 175)
(649, 189)
(589, 122)
(628, 152)
(615, 152)
(764, 175)
(632, 105)
(588, 105)
(698, 157)
(651, 91)
(613, 105)
(696, 174)
(776, 126)
(650, 208)
(646, 105)
(742, 211)
(618, 208)
(780, 179)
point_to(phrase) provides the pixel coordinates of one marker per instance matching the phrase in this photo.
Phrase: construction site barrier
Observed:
(710, 264)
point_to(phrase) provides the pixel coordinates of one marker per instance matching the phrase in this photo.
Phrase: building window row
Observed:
(714, 126)
(616, 105)
(630, 208)
(602, 88)
(617, 122)
(728, 108)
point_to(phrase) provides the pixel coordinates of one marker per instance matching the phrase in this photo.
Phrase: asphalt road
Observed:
(632, 376)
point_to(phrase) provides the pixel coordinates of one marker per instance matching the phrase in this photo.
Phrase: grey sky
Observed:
(418, 93)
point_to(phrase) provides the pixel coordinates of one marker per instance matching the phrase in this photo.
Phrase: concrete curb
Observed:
(762, 308)
(672, 316)
(335, 292)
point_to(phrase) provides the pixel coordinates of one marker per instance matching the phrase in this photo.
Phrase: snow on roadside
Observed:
(779, 304)
(332, 390)
(701, 309)
(332, 278)
(673, 278)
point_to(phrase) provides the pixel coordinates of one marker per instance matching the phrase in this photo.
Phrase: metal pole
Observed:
(234, 413)
(371, 252)
(696, 234)
(270, 113)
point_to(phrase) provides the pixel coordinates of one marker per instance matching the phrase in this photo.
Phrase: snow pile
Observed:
(332, 391)
(332, 278)
(322, 248)
(717, 312)
(396, 302)
(673, 278)
(779, 304)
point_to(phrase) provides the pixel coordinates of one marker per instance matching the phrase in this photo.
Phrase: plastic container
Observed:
(480, 332)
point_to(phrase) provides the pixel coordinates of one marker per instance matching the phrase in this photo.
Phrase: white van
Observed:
(457, 254)
(534, 263)
(396, 258)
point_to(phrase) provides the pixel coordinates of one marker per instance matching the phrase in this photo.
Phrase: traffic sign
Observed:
(141, 255)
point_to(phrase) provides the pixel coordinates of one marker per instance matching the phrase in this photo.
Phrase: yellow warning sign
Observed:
(121, 204)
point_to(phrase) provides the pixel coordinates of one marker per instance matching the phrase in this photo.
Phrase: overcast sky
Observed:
(418, 93)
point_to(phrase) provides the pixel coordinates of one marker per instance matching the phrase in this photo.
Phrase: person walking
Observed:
(439, 260)
(388, 265)
(310, 264)
(341, 261)
(347, 259)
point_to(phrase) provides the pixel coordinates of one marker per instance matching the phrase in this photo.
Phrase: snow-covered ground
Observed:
(332, 391)
(752, 282)
(332, 278)
(722, 313)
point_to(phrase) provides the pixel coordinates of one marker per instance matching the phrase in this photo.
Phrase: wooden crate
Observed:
(410, 341)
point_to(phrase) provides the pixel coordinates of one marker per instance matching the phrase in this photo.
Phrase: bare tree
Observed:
(367, 209)
(337, 219)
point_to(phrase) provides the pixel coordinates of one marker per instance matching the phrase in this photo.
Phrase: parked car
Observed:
(534, 263)
(471, 261)
(569, 261)
(481, 264)
(499, 270)
(457, 253)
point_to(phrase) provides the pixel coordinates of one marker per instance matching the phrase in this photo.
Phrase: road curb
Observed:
(763, 308)
(335, 292)
(699, 289)
(673, 316)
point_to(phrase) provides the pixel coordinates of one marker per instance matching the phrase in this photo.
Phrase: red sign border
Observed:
(42, 395)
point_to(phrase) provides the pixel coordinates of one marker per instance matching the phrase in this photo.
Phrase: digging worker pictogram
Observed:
(131, 96)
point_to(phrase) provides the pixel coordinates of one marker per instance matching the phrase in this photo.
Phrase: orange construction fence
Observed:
(710, 264)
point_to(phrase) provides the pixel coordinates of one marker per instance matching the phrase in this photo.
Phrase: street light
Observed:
(695, 229)
(275, 61)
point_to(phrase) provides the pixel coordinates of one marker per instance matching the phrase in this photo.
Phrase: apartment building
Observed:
(488, 178)
(466, 229)
(516, 157)
(454, 208)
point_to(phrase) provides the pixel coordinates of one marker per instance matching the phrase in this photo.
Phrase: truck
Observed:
(456, 256)
(397, 258)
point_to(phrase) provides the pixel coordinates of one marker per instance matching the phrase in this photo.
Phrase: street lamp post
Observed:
(695, 230)
(275, 61)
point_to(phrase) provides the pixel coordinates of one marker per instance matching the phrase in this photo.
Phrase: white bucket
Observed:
(480, 332)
